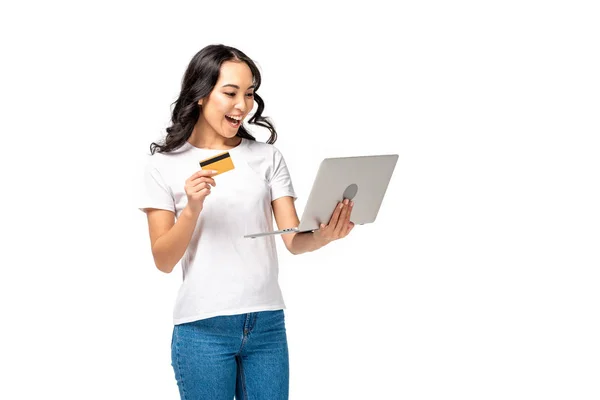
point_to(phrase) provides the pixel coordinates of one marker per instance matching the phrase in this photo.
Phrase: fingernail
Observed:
(351, 204)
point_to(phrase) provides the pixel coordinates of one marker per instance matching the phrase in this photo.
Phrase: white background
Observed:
(479, 279)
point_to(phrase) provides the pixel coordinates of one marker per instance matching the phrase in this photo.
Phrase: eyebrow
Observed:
(236, 86)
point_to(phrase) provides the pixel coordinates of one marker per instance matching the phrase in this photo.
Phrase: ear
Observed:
(200, 102)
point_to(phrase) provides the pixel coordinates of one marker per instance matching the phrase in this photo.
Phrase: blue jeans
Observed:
(244, 355)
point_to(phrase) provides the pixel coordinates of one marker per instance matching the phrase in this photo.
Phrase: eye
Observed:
(230, 94)
(250, 95)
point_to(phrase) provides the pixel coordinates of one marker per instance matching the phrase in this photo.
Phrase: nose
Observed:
(241, 105)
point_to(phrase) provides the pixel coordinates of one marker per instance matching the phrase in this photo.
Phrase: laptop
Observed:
(362, 179)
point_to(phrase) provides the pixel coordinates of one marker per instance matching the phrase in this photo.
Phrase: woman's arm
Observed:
(169, 239)
(297, 243)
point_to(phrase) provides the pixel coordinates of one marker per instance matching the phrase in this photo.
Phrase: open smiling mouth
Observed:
(234, 121)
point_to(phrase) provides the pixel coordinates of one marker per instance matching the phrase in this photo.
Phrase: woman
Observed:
(229, 336)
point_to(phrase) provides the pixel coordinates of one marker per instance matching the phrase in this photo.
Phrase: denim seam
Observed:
(245, 334)
(243, 379)
(244, 338)
(184, 396)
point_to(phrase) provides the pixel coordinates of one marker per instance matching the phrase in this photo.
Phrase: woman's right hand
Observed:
(197, 187)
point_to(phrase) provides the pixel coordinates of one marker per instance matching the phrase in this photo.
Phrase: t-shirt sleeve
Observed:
(280, 181)
(154, 192)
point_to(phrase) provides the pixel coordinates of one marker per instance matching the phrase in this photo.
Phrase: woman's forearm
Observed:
(305, 242)
(170, 247)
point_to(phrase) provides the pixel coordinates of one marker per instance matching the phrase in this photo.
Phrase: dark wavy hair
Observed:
(198, 81)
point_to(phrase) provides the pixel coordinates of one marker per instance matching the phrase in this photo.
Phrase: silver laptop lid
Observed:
(362, 179)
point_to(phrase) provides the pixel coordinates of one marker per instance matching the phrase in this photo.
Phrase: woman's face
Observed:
(230, 101)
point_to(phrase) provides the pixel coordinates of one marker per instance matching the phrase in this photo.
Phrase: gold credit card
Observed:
(220, 163)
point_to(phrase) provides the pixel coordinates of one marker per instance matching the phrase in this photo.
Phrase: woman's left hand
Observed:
(339, 225)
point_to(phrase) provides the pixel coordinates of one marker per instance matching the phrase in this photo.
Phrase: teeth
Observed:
(235, 117)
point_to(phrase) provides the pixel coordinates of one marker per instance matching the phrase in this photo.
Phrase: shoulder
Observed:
(153, 162)
(264, 157)
(164, 160)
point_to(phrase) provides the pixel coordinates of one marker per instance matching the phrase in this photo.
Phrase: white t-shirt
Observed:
(223, 272)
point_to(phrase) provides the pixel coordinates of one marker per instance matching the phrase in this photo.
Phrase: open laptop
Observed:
(362, 179)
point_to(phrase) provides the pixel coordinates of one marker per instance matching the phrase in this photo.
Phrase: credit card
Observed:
(221, 163)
